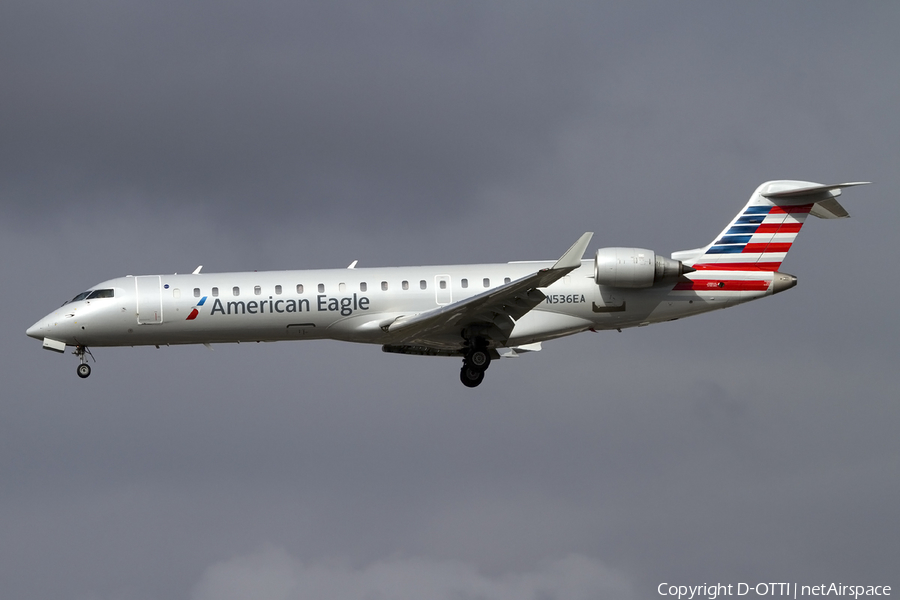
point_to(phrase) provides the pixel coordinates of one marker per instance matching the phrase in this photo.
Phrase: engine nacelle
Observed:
(635, 268)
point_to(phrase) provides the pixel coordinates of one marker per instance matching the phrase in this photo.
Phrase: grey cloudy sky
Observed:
(754, 444)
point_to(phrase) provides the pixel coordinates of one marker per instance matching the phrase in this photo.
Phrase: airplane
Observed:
(478, 312)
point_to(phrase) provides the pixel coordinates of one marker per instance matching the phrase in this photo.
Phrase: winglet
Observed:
(572, 258)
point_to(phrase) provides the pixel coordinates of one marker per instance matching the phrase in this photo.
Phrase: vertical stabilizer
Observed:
(760, 236)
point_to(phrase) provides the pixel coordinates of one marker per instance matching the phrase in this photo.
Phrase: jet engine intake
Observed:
(635, 268)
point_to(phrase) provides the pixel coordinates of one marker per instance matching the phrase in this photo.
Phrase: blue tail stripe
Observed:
(725, 250)
(758, 210)
(734, 239)
(742, 229)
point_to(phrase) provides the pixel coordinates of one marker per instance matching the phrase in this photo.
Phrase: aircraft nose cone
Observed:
(35, 331)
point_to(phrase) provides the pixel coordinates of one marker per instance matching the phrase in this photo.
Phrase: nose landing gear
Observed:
(84, 369)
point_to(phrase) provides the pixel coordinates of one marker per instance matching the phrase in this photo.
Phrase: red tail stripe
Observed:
(760, 248)
(781, 210)
(779, 228)
(728, 285)
(758, 266)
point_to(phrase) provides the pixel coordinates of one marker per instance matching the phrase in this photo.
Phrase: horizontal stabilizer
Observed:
(774, 190)
(829, 209)
(824, 197)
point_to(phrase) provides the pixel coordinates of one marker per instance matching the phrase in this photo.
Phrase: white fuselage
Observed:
(356, 304)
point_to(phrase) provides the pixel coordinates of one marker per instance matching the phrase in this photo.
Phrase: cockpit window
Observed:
(91, 294)
(80, 296)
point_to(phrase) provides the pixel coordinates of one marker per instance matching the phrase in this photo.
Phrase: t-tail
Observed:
(760, 236)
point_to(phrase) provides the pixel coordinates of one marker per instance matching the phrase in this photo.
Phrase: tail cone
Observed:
(782, 281)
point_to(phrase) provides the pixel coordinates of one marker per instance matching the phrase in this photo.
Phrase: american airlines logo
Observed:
(346, 306)
(196, 309)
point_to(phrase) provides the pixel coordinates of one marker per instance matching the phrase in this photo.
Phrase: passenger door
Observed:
(149, 299)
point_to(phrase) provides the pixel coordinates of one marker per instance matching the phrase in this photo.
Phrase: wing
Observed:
(491, 314)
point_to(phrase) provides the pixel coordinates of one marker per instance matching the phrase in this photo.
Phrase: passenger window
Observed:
(278, 290)
(487, 282)
(464, 283)
(176, 293)
(257, 290)
(423, 285)
(405, 285)
(363, 286)
(443, 284)
(299, 288)
(506, 280)
(196, 292)
(384, 285)
(342, 287)
(236, 291)
(321, 288)
(215, 292)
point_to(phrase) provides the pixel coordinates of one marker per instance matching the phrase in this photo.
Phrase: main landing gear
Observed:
(84, 369)
(476, 362)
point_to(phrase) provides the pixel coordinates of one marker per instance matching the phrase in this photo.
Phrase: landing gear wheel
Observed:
(471, 376)
(479, 359)
(82, 353)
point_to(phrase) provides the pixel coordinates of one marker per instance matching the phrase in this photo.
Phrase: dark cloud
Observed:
(756, 443)
(255, 112)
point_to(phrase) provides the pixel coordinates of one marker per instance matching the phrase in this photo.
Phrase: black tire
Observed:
(471, 376)
(480, 359)
(84, 370)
